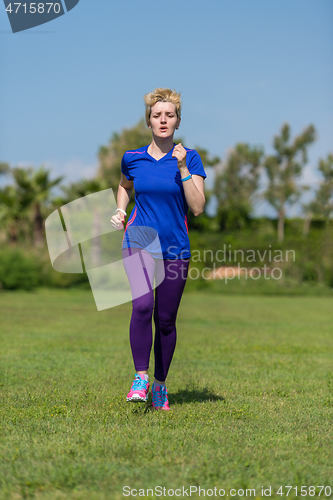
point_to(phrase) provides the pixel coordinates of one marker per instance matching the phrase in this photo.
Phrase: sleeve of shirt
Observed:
(124, 169)
(195, 165)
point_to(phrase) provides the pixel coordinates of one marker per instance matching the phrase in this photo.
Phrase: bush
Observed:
(55, 279)
(312, 261)
(18, 270)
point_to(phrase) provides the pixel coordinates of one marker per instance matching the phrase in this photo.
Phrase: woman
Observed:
(168, 179)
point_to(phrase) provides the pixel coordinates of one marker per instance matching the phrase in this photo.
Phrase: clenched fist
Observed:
(118, 220)
(179, 152)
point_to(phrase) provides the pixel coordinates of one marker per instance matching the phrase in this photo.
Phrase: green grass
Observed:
(250, 386)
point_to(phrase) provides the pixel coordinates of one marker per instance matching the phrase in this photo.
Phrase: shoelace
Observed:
(159, 398)
(139, 383)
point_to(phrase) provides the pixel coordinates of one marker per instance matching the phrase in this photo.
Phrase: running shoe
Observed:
(160, 397)
(139, 389)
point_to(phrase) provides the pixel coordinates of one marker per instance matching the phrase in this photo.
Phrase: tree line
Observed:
(27, 201)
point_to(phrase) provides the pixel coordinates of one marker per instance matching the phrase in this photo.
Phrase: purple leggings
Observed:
(167, 299)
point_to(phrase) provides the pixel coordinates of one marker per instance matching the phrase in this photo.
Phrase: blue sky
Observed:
(244, 68)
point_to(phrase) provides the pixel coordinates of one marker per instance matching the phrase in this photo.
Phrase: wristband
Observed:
(121, 210)
(187, 178)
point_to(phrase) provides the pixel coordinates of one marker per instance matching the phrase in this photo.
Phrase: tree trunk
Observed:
(281, 226)
(13, 233)
(307, 223)
(38, 227)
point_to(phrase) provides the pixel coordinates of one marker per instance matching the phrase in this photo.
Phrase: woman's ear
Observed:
(178, 123)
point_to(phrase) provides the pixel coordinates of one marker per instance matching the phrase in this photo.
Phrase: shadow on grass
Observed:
(183, 396)
(193, 395)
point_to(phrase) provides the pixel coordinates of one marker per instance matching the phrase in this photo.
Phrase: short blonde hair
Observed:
(162, 95)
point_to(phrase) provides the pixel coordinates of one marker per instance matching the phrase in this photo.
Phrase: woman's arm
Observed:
(123, 198)
(124, 192)
(194, 187)
(194, 193)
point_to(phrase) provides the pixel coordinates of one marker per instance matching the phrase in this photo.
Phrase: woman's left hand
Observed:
(179, 152)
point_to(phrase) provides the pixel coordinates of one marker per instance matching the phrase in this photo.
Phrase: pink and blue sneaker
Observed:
(160, 397)
(139, 389)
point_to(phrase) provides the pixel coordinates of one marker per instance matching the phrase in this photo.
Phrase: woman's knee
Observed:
(143, 305)
(166, 324)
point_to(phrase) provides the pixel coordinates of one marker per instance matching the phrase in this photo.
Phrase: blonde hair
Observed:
(162, 95)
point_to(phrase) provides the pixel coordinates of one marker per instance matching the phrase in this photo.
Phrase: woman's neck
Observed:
(160, 147)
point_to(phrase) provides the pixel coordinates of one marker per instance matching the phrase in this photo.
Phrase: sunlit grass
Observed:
(251, 397)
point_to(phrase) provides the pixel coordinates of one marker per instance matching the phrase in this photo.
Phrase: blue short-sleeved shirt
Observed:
(159, 198)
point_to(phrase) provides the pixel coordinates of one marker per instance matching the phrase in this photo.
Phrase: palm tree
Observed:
(14, 208)
(36, 185)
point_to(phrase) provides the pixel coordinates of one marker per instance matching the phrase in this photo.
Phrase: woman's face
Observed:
(163, 119)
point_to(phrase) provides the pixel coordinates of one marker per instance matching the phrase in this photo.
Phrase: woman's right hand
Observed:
(118, 220)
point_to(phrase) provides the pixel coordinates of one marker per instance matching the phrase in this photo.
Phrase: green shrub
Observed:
(310, 272)
(56, 279)
(18, 270)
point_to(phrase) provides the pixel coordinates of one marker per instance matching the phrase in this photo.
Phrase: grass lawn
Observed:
(250, 388)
